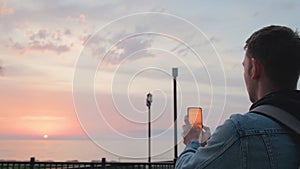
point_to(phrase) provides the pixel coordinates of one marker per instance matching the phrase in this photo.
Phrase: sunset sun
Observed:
(45, 136)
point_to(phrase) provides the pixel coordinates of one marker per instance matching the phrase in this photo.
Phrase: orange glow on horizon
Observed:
(33, 113)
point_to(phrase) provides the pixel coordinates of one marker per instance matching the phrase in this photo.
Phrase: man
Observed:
(271, 71)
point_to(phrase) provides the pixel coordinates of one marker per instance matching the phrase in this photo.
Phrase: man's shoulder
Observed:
(252, 120)
(248, 116)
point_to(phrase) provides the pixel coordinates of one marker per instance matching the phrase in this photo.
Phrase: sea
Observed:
(67, 150)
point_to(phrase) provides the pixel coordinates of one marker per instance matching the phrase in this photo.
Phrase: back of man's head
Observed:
(278, 50)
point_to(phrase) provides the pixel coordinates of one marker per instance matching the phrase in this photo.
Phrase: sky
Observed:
(82, 69)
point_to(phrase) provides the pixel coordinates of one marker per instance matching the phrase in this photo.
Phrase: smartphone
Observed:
(195, 116)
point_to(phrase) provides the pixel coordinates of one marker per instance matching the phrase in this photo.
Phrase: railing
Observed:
(32, 164)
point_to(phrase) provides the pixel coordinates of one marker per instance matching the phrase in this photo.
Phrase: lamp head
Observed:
(149, 99)
(175, 72)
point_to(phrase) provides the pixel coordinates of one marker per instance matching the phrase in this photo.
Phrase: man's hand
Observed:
(189, 134)
(194, 134)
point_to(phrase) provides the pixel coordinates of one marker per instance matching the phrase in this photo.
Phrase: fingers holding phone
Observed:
(193, 129)
(193, 125)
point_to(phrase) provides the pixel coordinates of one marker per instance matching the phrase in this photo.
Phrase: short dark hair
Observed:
(278, 50)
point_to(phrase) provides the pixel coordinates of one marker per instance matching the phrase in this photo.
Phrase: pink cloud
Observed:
(4, 10)
(57, 35)
(82, 18)
(83, 38)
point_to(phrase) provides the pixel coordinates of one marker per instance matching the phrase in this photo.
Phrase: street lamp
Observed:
(175, 74)
(148, 103)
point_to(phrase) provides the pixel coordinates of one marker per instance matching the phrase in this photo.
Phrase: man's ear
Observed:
(256, 69)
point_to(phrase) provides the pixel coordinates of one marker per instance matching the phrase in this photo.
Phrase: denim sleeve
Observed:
(198, 157)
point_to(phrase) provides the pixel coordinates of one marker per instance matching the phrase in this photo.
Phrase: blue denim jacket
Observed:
(244, 141)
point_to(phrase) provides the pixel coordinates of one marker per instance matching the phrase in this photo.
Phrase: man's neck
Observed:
(265, 89)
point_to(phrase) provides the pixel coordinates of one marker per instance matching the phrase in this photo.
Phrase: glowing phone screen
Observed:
(195, 116)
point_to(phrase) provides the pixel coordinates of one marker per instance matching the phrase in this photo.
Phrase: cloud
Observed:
(41, 34)
(57, 35)
(4, 10)
(83, 38)
(82, 18)
(126, 49)
(1, 69)
(182, 49)
(22, 70)
(43, 40)
(49, 47)
(68, 31)
(119, 46)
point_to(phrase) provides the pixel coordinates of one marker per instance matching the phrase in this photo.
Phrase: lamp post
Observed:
(175, 74)
(148, 103)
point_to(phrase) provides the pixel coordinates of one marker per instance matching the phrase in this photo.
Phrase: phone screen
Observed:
(195, 116)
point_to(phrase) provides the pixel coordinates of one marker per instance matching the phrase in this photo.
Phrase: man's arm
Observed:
(195, 156)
